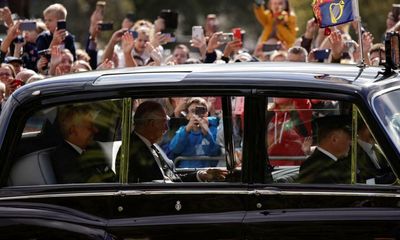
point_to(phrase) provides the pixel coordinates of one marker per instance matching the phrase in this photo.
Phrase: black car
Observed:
(264, 121)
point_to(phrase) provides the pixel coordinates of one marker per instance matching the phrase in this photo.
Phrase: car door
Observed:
(160, 209)
(282, 207)
(32, 197)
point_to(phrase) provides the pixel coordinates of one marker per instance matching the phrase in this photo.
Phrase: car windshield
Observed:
(388, 110)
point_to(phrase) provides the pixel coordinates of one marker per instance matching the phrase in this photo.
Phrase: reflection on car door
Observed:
(213, 211)
(292, 210)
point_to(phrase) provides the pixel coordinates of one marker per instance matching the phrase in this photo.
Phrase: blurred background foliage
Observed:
(192, 12)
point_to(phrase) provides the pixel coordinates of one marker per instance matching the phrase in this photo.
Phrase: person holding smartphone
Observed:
(198, 137)
(55, 17)
(278, 21)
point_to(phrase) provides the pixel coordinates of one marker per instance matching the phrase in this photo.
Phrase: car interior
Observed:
(290, 136)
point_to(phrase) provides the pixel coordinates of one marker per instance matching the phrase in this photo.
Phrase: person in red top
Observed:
(289, 127)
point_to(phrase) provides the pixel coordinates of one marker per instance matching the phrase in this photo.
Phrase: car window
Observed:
(172, 140)
(185, 136)
(389, 114)
(77, 143)
(310, 141)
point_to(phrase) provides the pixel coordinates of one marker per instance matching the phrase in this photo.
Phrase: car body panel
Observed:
(250, 209)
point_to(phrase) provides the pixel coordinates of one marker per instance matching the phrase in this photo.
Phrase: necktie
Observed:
(166, 169)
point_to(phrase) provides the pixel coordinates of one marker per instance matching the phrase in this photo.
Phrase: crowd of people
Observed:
(194, 123)
(49, 49)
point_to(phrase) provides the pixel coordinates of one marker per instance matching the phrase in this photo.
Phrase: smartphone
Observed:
(322, 54)
(200, 111)
(19, 39)
(61, 25)
(237, 34)
(134, 34)
(106, 26)
(27, 26)
(270, 47)
(170, 18)
(197, 32)
(3, 3)
(225, 37)
(45, 53)
(170, 37)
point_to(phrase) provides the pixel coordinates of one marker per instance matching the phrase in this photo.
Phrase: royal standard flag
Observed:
(334, 12)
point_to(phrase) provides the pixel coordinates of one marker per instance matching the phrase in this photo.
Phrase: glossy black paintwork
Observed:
(253, 209)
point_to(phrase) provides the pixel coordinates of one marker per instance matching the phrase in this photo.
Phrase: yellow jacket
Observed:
(285, 28)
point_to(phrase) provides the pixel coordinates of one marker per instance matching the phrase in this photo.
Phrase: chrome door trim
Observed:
(325, 193)
(202, 192)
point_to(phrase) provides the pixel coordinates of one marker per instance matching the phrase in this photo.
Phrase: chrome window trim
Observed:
(203, 192)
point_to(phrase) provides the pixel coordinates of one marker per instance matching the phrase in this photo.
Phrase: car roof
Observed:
(246, 75)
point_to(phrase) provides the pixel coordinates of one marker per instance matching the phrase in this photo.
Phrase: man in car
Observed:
(147, 162)
(328, 163)
(79, 159)
(372, 167)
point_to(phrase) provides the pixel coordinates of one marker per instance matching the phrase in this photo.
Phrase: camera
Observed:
(108, 26)
(61, 25)
(199, 111)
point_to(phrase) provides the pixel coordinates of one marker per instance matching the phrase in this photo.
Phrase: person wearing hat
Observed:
(328, 163)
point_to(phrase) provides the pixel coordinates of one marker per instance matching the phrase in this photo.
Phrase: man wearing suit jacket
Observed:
(78, 159)
(372, 167)
(147, 162)
(328, 163)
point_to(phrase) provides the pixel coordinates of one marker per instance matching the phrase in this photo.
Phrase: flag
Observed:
(334, 12)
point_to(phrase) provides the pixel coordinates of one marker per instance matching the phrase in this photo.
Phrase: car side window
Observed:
(174, 139)
(77, 143)
(181, 139)
(309, 141)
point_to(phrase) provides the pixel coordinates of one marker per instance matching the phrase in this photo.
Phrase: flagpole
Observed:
(357, 18)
